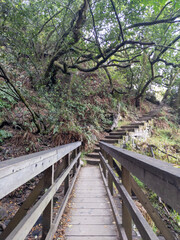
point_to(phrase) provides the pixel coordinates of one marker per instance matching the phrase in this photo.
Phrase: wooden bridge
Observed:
(101, 203)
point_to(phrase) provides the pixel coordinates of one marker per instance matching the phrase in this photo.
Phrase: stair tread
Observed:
(114, 137)
(92, 154)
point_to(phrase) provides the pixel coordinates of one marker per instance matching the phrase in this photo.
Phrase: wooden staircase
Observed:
(114, 136)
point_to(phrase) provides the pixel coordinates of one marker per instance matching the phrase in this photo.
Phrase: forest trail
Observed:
(90, 215)
(114, 136)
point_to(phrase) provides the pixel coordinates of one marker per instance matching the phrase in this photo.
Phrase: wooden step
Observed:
(129, 126)
(96, 150)
(145, 119)
(137, 124)
(114, 137)
(92, 155)
(125, 129)
(92, 161)
(118, 133)
(109, 140)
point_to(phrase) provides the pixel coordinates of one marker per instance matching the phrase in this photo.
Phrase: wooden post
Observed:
(126, 217)
(48, 212)
(66, 182)
(104, 168)
(110, 180)
(102, 163)
(74, 154)
(78, 162)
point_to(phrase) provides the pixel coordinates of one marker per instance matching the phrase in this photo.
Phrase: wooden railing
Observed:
(161, 177)
(56, 166)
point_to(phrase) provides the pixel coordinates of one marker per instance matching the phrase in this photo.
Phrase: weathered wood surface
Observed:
(17, 171)
(160, 176)
(143, 227)
(90, 215)
(116, 212)
(26, 224)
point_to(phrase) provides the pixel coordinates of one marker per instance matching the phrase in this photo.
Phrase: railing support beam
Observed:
(126, 216)
(48, 212)
(67, 180)
(110, 180)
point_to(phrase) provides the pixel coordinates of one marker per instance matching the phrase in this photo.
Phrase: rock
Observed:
(161, 238)
(3, 213)
(81, 163)
(2, 226)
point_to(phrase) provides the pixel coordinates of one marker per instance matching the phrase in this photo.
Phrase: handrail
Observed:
(160, 176)
(55, 164)
(17, 171)
(157, 175)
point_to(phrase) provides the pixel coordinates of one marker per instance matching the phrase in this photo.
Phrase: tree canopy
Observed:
(136, 40)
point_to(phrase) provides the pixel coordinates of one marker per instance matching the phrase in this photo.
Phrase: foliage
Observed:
(6, 98)
(63, 45)
(4, 135)
(133, 38)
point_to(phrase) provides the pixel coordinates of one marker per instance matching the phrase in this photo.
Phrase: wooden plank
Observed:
(115, 210)
(74, 154)
(87, 178)
(91, 230)
(26, 167)
(110, 180)
(48, 211)
(91, 238)
(126, 216)
(89, 187)
(23, 228)
(67, 180)
(80, 184)
(90, 191)
(28, 203)
(160, 176)
(90, 205)
(89, 200)
(143, 227)
(88, 220)
(91, 195)
(56, 221)
(91, 212)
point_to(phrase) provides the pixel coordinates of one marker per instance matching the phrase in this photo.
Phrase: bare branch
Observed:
(166, 48)
(49, 21)
(169, 64)
(95, 32)
(120, 27)
(116, 65)
(110, 54)
(169, 20)
(162, 10)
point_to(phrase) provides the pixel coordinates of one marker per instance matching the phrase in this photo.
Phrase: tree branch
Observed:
(169, 20)
(165, 49)
(21, 97)
(168, 64)
(95, 32)
(110, 54)
(120, 27)
(162, 10)
(115, 65)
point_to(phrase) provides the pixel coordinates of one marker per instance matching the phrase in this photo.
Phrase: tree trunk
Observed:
(23, 100)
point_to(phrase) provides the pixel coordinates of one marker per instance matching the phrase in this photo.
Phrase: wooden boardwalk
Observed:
(91, 217)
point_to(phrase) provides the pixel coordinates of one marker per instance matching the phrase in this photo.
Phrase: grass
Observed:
(122, 123)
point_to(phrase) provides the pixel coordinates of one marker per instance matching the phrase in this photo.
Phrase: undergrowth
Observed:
(164, 143)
